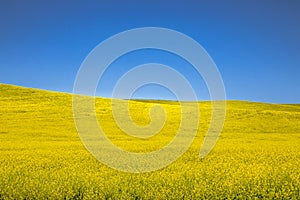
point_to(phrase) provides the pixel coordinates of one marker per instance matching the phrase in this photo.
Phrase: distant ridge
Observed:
(5, 86)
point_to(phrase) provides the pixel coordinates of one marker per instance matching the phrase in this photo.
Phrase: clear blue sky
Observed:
(255, 44)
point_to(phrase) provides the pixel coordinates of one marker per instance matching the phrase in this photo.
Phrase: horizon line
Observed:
(144, 99)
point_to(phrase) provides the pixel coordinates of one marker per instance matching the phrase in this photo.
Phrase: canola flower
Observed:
(42, 157)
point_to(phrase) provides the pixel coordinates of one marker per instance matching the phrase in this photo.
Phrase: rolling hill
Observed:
(42, 156)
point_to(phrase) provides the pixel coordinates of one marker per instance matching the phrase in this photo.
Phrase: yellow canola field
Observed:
(42, 156)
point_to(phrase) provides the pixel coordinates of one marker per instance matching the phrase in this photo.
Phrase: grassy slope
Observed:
(42, 156)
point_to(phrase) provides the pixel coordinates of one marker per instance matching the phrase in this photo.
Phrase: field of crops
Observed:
(42, 156)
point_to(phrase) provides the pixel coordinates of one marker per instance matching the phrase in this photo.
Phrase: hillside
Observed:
(42, 156)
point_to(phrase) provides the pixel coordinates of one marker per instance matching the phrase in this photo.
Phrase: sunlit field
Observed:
(42, 156)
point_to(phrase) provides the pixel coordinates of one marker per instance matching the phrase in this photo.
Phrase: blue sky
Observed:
(255, 44)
